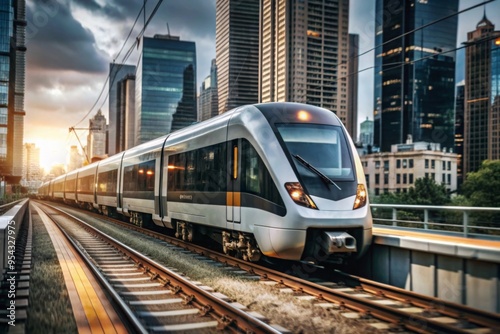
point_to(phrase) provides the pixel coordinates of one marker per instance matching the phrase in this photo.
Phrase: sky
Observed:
(70, 44)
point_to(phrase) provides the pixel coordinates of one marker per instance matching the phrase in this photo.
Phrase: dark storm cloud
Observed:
(191, 20)
(197, 16)
(56, 40)
(116, 10)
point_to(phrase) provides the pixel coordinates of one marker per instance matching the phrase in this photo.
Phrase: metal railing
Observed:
(478, 222)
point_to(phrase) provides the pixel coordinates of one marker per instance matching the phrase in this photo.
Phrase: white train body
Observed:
(278, 179)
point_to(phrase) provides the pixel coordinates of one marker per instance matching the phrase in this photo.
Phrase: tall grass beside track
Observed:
(49, 305)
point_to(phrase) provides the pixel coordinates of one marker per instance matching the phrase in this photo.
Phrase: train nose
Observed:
(334, 242)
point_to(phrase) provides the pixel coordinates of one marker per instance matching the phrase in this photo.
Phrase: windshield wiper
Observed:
(315, 170)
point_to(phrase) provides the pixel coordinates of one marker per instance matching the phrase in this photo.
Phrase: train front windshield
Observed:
(320, 154)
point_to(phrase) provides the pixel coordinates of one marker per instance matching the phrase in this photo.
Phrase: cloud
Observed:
(57, 41)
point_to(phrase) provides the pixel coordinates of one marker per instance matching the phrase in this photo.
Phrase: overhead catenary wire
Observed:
(143, 8)
(127, 54)
(417, 29)
(411, 62)
(146, 23)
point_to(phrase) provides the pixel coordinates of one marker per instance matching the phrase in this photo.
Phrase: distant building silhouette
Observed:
(96, 139)
(414, 72)
(75, 159)
(12, 84)
(482, 96)
(31, 166)
(366, 132)
(208, 99)
(126, 120)
(32, 172)
(165, 87)
(459, 131)
(117, 72)
(237, 52)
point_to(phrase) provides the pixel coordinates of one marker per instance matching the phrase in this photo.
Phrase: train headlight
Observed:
(361, 197)
(298, 195)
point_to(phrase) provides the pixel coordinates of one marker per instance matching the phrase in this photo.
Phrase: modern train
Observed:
(280, 180)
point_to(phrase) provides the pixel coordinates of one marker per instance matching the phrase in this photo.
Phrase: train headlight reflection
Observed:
(298, 195)
(361, 197)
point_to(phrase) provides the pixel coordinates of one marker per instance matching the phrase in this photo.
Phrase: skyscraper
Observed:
(116, 73)
(303, 54)
(459, 130)
(237, 52)
(32, 172)
(96, 140)
(75, 158)
(482, 96)
(366, 132)
(12, 82)
(31, 167)
(352, 82)
(165, 87)
(126, 113)
(414, 72)
(208, 101)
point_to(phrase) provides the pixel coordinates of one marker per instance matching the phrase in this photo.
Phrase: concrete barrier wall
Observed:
(463, 274)
(12, 218)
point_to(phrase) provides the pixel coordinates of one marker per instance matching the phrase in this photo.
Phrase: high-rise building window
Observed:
(395, 118)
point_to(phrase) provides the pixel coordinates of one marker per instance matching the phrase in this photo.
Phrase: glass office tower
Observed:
(12, 83)
(165, 87)
(414, 72)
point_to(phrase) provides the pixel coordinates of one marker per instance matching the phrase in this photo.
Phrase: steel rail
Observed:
(459, 311)
(119, 302)
(228, 316)
(414, 322)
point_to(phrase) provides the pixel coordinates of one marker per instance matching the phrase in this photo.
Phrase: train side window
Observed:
(202, 169)
(70, 185)
(255, 178)
(85, 184)
(139, 177)
(107, 182)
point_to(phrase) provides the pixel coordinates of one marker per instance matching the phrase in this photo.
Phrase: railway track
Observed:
(151, 297)
(384, 307)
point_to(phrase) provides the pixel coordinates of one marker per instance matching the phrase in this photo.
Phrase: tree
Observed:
(387, 198)
(424, 192)
(427, 192)
(482, 188)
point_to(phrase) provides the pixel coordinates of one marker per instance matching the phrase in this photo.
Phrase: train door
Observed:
(233, 197)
